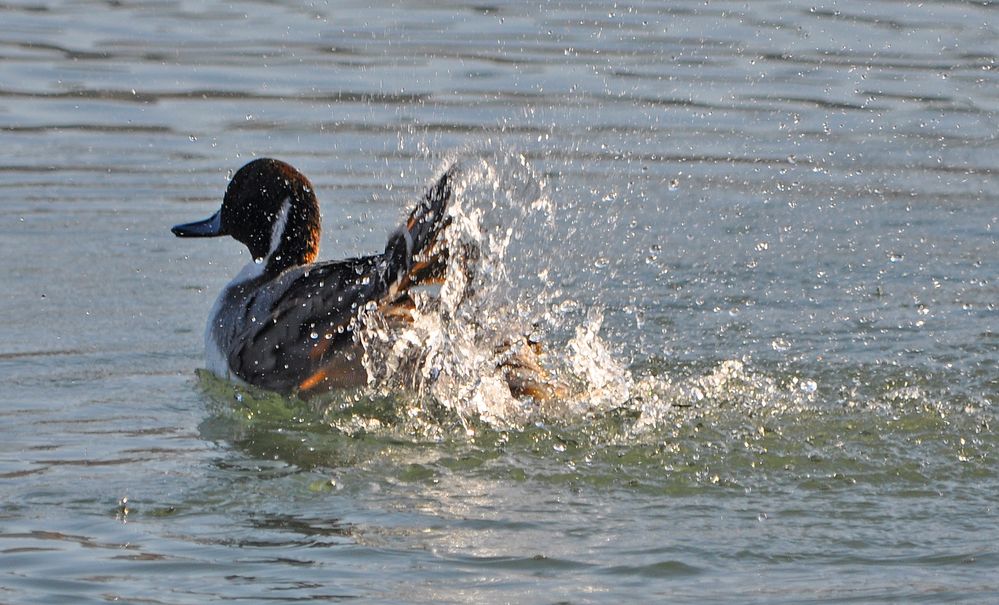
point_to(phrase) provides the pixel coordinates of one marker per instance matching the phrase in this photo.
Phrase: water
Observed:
(782, 215)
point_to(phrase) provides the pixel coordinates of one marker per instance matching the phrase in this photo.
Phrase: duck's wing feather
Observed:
(417, 251)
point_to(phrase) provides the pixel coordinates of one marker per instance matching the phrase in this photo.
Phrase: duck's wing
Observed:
(417, 252)
(310, 324)
(306, 340)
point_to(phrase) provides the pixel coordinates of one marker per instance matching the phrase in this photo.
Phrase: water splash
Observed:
(729, 386)
(494, 308)
(455, 354)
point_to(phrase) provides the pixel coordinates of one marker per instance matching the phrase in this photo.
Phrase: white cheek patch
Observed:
(277, 233)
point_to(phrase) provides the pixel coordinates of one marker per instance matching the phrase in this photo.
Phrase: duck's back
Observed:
(283, 333)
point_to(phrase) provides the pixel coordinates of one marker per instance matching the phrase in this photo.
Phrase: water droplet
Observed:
(601, 263)
(780, 345)
(314, 335)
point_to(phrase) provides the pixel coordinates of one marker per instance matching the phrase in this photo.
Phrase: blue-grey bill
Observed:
(210, 227)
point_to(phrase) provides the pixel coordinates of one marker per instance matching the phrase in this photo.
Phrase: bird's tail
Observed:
(417, 251)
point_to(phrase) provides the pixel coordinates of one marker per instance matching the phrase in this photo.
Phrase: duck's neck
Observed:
(294, 241)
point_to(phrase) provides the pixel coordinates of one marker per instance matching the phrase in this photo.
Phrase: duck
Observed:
(289, 323)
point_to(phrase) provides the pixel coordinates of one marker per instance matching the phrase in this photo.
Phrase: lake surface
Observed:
(768, 251)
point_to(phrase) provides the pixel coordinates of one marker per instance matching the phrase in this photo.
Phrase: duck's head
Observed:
(272, 209)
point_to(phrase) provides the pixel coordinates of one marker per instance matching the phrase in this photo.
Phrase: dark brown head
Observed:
(272, 209)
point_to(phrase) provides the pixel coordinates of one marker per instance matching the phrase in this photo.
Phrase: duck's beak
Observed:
(210, 227)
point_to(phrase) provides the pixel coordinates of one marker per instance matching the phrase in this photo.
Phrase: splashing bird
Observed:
(289, 324)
